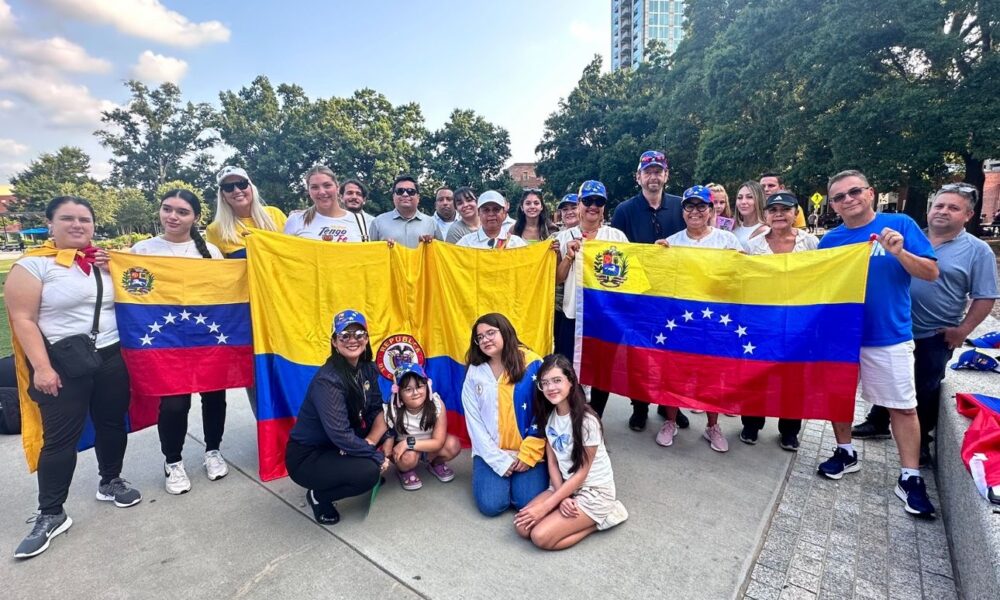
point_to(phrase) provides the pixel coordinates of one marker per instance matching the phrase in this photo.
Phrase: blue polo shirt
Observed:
(641, 224)
(887, 295)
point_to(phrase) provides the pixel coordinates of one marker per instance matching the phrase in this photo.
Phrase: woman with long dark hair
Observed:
(533, 223)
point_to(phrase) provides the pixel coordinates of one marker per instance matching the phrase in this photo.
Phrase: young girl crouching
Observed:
(417, 415)
(581, 497)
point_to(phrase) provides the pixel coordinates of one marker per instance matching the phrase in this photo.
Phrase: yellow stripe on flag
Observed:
(143, 279)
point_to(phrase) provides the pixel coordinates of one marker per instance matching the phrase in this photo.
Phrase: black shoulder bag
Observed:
(76, 355)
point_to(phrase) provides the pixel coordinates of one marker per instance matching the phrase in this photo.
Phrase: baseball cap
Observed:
(405, 368)
(568, 199)
(230, 170)
(348, 317)
(782, 199)
(592, 188)
(974, 359)
(698, 194)
(652, 158)
(491, 197)
(990, 340)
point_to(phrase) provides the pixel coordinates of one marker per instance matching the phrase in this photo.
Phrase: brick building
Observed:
(525, 176)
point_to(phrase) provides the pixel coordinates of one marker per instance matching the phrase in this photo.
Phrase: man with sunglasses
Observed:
(492, 234)
(941, 322)
(899, 253)
(405, 224)
(648, 216)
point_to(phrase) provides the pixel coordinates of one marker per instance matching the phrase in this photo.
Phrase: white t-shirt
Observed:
(605, 233)
(479, 239)
(329, 229)
(411, 422)
(68, 299)
(803, 241)
(158, 246)
(717, 238)
(559, 433)
(743, 232)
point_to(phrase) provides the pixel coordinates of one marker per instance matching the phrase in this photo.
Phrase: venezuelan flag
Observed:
(720, 331)
(420, 305)
(184, 323)
(981, 444)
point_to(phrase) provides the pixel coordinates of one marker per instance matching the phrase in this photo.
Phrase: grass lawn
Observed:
(5, 347)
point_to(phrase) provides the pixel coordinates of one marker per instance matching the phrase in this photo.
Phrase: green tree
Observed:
(44, 176)
(157, 137)
(105, 200)
(467, 150)
(136, 214)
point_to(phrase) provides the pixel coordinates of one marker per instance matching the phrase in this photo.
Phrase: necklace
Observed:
(170, 246)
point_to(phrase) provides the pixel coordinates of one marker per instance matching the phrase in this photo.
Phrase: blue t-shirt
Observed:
(887, 296)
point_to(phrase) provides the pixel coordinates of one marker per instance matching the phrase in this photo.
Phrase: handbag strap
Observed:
(97, 307)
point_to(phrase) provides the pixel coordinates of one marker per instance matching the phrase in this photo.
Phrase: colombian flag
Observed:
(420, 306)
(184, 323)
(720, 331)
(981, 446)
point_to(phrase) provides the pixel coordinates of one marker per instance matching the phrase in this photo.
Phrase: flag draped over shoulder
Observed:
(184, 323)
(716, 330)
(420, 306)
(981, 445)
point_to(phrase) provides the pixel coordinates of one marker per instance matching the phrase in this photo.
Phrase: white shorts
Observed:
(887, 375)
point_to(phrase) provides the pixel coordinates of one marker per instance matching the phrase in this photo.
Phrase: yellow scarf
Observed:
(65, 257)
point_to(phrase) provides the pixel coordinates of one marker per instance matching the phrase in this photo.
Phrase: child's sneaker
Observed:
(409, 480)
(441, 470)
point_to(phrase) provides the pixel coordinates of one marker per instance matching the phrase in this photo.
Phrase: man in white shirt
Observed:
(492, 234)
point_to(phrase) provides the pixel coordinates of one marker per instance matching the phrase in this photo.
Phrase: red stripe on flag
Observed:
(456, 427)
(793, 390)
(982, 436)
(272, 439)
(167, 372)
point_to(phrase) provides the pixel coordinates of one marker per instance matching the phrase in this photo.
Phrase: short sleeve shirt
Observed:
(392, 226)
(479, 239)
(559, 434)
(605, 233)
(717, 238)
(328, 229)
(411, 422)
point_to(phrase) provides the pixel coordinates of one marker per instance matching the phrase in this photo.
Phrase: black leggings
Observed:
(328, 473)
(105, 396)
(173, 422)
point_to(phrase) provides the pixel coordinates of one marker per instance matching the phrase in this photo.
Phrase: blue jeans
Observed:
(495, 494)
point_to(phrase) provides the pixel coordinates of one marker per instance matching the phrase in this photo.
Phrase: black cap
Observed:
(782, 198)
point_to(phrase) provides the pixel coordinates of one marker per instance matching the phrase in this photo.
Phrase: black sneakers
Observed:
(748, 435)
(46, 527)
(913, 493)
(839, 464)
(325, 512)
(866, 430)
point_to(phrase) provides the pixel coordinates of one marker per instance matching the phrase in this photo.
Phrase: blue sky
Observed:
(62, 61)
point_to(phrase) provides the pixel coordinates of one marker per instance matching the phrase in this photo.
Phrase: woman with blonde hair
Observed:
(749, 212)
(326, 219)
(238, 209)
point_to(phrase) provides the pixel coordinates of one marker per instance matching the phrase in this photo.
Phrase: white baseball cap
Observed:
(491, 197)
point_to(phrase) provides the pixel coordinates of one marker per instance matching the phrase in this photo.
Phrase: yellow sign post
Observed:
(816, 199)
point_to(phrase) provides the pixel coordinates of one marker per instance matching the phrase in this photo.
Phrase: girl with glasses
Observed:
(581, 498)
(238, 210)
(498, 400)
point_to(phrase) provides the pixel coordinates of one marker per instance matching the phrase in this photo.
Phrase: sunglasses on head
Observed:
(229, 187)
(531, 190)
(593, 201)
(854, 192)
(960, 188)
(405, 191)
(652, 158)
(357, 335)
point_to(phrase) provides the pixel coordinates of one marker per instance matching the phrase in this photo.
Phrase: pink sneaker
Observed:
(714, 436)
(666, 436)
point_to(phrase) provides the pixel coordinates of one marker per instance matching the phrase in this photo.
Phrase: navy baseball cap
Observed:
(782, 199)
(698, 194)
(405, 368)
(652, 158)
(568, 199)
(974, 359)
(348, 317)
(592, 188)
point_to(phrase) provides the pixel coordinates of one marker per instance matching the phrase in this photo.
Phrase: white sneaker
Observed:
(215, 465)
(177, 478)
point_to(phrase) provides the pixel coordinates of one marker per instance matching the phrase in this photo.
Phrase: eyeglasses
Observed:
(593, 201)
(486, 335)
(359, 335)
(229, 187)
(551, 382)
(961, 188)
(854, 192)
(692, 207)
(405, 191)
(414, 389)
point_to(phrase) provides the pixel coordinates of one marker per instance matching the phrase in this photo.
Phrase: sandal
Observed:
(441, 470)
(409, 480)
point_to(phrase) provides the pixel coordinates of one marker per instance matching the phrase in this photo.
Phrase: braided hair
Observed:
(195, 203)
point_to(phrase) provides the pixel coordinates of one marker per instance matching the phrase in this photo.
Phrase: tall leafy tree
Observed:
(467, 150)
(43, 178)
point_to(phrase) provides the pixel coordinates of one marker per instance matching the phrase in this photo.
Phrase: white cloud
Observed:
(155, 68)
(100, 170)
(6, 17)
(9, 169)
(66, 104)
(9, 147)
(6, 104)
(58, 53)
(147, 19)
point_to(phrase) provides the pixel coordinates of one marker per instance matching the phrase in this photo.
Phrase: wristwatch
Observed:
(411, 442)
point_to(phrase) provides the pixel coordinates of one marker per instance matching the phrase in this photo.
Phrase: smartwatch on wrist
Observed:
(411, 442)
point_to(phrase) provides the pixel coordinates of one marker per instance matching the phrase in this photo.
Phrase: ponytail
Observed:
(199, 242)
(309, 215)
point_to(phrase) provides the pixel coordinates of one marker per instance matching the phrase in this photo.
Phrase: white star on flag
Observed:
(748, 348)
(524, 406)
(146, 340)
(185, 315)
(670, 325)
(199, 319)
(725, 320)
(707, 313)
(170, 318)
(155, 327)
(660, 338)
(214, 327)
(688, 315)
(741, 331)
(222, 338)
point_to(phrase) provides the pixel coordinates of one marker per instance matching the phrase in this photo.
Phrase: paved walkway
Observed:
(850, 538)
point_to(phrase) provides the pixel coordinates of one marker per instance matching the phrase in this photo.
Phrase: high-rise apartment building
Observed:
(635, 22)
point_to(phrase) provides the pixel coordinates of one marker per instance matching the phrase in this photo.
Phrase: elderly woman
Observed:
(239, 208)
(334, 448)
(782, 237)
(60, 300)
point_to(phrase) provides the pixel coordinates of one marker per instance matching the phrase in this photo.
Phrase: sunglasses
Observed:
(658, 158)
(593, 201)
(359, 335)
(960, 188)
(229, 187)
(531, 190)
(854, 192)
(405, 191)
(692, 207)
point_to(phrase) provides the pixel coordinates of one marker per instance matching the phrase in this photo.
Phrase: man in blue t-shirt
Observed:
(900, 252)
